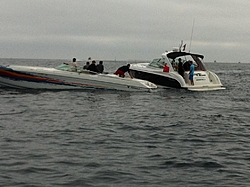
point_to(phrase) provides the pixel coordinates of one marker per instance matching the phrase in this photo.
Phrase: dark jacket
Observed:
(100, 68)
(92, 67)
(180, 69)
(124, 69)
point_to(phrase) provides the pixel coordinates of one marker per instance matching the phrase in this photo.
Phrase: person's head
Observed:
(179, 59)
(128, 65)
(93, 61)
(100, 62)
(190, 62)
(74, 59)
(87, 63)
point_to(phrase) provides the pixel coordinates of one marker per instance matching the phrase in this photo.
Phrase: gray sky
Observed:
(124, 29)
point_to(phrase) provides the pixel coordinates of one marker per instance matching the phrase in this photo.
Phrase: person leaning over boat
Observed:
(122, 70)
(100, 67)
(191, 72)
(73, 64)
(92, 67)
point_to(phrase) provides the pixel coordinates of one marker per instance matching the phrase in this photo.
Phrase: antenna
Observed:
(181, 45)
(191, 35)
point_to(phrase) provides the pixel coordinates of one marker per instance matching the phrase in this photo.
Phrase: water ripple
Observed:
(166, 138)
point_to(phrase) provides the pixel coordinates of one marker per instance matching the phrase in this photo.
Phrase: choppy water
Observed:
(97, 138)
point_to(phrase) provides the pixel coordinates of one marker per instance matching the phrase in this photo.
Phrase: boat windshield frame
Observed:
(157, 63)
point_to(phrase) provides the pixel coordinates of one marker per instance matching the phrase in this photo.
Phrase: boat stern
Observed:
(203, 81)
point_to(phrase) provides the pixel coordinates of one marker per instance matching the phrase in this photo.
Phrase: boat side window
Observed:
(199, 65)
(186, 66)
(196, 67)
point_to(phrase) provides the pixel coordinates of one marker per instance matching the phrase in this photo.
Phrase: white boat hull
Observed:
(28, 77)
(204, 80)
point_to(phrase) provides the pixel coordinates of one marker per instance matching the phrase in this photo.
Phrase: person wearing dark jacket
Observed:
(180, 68)
(86, 65)
(122, 70)
(92, 67)
(100, 67)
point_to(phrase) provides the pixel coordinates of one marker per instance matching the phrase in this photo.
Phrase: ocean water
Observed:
(170, 137)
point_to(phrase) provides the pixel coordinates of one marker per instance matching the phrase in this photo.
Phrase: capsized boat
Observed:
(204, 79)
(66, 77)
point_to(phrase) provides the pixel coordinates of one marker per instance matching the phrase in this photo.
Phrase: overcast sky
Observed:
(124, 29)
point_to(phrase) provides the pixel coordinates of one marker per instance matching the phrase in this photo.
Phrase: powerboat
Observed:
(164, 71)
(65, 77)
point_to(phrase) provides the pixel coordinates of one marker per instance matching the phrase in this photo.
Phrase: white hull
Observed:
(28, 77)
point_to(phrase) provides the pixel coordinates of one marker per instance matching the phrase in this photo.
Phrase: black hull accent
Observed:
(157, 79)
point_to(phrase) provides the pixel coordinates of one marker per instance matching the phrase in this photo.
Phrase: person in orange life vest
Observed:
(122, 70)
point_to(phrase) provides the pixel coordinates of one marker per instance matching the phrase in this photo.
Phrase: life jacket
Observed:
(166, 68)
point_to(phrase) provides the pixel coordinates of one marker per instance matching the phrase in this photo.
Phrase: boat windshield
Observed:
(157, 63)
(65, 67)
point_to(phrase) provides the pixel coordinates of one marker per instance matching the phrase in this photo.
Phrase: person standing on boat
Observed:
(191, 72)
(180, 67)
(122, 70)
(92, 67)
(100, 67)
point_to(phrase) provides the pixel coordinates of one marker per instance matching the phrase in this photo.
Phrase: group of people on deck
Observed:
(99, 68)
(126, 68)
(188, 66)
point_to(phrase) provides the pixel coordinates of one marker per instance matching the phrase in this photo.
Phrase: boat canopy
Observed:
(174, 55)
